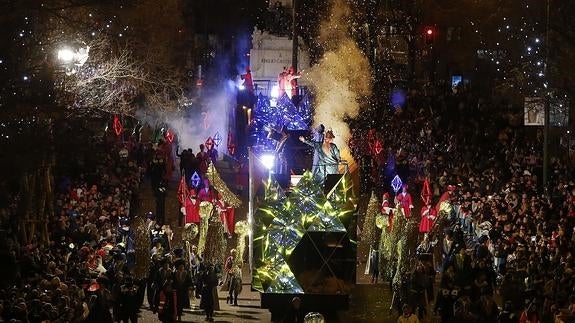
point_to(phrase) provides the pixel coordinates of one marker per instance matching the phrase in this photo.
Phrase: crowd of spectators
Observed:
(75, 276)
(506, 253)
(505, 236)
(103, 255)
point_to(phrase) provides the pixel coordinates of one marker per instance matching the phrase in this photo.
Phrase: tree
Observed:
(369, 233)
(131, 65)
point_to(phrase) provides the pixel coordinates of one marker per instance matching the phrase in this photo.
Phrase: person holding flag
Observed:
(405, 201)
(428, 214)
(183, 193)
(428, 217)
(190, 203)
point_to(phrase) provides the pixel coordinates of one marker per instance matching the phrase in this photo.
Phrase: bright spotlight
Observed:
(275, 92)
(268, 161)
(66, 55)
(241, 87)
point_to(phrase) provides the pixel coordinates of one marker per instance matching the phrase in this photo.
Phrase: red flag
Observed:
(169, 136)
(183, 191)
(426, 192)
(118, 128)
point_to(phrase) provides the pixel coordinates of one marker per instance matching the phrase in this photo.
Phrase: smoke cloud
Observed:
(199, 121)
(342, 76)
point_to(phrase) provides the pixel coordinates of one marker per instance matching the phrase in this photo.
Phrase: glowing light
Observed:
(268, 160)
(66, 55)
(294, 179)
(396, 183)
(429, 31)
(196, 180)
(275, 92)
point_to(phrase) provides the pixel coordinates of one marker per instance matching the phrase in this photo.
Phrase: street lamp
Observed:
(65, 55)
(73, 59)
(547, 108)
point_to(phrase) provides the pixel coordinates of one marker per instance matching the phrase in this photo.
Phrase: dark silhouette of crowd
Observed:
(92, 268)
(505, 237)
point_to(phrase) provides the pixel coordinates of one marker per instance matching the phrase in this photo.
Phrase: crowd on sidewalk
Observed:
(502, 234)
(104, 254)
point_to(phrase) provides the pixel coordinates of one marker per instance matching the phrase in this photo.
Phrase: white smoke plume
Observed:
(341, 77)
(198, 122)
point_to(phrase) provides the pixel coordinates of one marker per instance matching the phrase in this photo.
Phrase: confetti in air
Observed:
(341, 77)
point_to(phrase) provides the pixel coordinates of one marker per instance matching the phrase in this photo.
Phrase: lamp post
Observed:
(546, 112)
(294, 37)
(266, 161)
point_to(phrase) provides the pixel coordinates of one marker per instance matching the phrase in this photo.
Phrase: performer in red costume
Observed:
(404, 199)
(226, 216)
(446, 196)
(207, 193)
(282, 80)
(192, 206)
(291, 82)
(428, 216)
(230, 218)
(248, 81)
(386, 210)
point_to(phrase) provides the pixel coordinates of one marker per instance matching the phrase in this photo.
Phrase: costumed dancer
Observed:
(328, 156)
(207, 193)
(230, 218)
(249, 86)
(404, 199)
(445, 197)
(223, 212)
(211, 150)
(192, 207)
(428, 216)
(318, 138)
(291, 82)
(183, 193)
(248, 81)
(228, 270)
(282, 82)
(386, 210)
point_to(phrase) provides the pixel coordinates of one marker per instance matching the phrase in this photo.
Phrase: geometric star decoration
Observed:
(282, 220)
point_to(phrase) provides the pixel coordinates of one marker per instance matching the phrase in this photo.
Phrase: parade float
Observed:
(304, 244)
